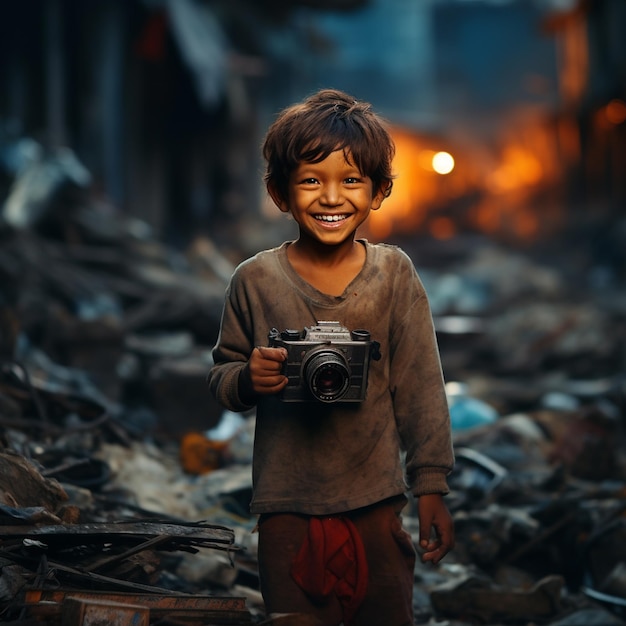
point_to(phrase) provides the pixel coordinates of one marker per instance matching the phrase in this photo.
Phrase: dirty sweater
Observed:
(326, 458)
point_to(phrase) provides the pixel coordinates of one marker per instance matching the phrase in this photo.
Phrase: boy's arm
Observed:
(420, 403)
(423, 420)
(230, 356)
(241, 372)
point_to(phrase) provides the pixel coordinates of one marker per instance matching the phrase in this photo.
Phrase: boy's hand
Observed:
(436, 536)
(262, 374)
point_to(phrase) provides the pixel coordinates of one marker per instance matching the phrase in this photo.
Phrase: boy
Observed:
(329, 479)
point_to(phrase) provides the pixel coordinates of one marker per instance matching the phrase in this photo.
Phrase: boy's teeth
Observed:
(330, 218)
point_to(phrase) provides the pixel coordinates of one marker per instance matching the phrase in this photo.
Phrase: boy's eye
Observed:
(352, 180)
(309, 181)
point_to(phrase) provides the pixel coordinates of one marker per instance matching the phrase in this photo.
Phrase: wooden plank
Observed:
(152, 601)
(190, 532)
(190, 608)
(82, 612)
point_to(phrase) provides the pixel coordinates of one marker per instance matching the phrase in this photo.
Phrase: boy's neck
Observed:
(330, 269)
(312, 251)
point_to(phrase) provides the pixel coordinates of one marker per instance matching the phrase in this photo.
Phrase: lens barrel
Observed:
(327, 375)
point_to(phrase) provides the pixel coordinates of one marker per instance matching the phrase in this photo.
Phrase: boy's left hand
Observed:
(436, 536)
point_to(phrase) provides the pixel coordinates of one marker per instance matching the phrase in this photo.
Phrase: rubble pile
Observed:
(123, 487)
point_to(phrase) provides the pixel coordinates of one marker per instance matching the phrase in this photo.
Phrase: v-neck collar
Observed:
(312, 292)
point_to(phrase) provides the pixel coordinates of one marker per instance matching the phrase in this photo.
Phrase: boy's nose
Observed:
(331, 194)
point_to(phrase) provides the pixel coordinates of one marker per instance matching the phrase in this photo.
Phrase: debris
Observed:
(475, 600)
(165, 608)
(123, 483)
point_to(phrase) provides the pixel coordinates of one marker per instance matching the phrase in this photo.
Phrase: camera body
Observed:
(326, 362)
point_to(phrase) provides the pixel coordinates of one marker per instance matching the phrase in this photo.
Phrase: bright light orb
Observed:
(443, 162)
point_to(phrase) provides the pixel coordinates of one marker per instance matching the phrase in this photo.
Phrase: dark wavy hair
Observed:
(324, 122)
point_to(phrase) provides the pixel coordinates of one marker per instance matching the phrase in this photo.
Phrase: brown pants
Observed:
(390, 557)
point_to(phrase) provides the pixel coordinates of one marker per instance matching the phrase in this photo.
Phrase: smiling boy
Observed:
(330, 479)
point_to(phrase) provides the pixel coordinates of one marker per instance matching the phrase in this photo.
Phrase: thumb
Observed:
(274, 354)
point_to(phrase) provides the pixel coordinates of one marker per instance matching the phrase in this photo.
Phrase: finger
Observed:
(272, 354)
(266, 369)
(424, 535)
(271, 381)
(434, 556)
(446, 537)
(264, 362)
(429, 546)
(270, 386)
(436, 550)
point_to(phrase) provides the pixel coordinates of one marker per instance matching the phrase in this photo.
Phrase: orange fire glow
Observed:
(422, 170)
(615, 112)
(490, 188)
(518, 168)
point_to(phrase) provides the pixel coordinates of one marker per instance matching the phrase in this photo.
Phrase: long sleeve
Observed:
(231, 352)
(417, 385)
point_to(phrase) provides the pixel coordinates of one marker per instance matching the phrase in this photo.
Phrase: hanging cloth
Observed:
(332, 560)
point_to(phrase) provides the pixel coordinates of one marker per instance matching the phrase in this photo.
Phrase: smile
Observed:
(331, 218)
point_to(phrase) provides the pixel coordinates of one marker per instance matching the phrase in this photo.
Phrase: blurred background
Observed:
(165, 102)
(131, 179)
(131, 182)
(131, 186)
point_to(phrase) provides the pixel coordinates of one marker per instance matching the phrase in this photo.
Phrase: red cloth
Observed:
(332, 560)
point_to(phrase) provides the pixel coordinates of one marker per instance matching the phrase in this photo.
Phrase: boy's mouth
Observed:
(331, 218)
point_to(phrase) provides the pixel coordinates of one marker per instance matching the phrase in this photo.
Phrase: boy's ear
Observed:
(379, 196)
(277, 197)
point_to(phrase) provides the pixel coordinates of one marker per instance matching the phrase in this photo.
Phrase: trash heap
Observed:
(125, 488)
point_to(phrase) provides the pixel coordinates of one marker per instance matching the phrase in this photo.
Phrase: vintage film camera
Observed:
(326, 362)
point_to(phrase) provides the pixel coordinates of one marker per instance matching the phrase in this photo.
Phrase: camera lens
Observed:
(327, 375)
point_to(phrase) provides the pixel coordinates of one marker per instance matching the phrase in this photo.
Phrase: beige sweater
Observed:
(318, 458)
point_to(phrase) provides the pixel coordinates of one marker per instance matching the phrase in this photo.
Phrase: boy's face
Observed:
(329, 200)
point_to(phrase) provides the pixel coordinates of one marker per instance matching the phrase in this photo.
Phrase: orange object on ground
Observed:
(199, 455)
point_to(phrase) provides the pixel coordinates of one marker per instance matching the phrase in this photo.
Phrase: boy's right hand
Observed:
(262, 373)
